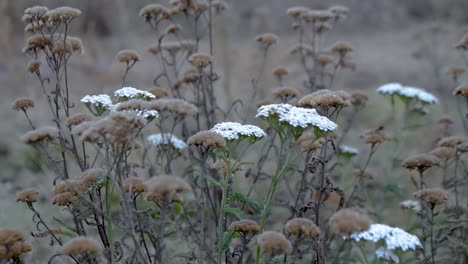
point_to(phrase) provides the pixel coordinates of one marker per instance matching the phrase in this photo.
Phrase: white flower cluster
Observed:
(102, 100)
(349, 150)
(167, 139)
(406, 91)
(394, 237)
(131, 93)
(297, 116)
(148, 113)
(232, 130)
(383, 253)
(412, 205)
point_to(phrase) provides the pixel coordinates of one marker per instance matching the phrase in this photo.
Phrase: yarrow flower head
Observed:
(98, 104)
(235, 131)
(167, 139)
(133, 93)
(348, 150)
(408, 92)
(394, 237)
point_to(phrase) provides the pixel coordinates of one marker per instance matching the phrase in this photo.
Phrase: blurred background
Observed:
(407, 41)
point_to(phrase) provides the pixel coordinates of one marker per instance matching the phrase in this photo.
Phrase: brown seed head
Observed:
(245, 227)
(33, 66)
(64, 199)
(200, 60)
(30, 195)
(172, 29)
(153, 12)
(359, 98)
(36, 11)
(267, 39)
(159, 92)
(341, 48)
(446, 120)
(420, 162)
(280, 71)
(47, 133)
(207, 139)
(221, 166)
(62, 14)
(176, 106)
(324, 60)
(456, 71)
(301, 49)
(339, 11)
(12, 244)
(90, 177)
(461, 90)
(134, 185)
(166, 188)
(443, 153)
(318, 16)
(298, 227)
(272, 242)
(36, 43)
(433, 196)
(80, 246)
(219, 6)
(374, 136)
(322, 28)
(348, 221)
(297, 11)
(285, 93)
(22, 104)
(77, 119)
(325, 98)
(451, 141)
(128, 56)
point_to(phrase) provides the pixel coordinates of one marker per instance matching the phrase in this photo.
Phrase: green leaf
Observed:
(232, 210)
(228, 236)
(239, 197)
(214, 181)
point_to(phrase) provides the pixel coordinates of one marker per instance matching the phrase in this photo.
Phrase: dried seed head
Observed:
(33, 66)
(420, 162)
(285, 93)
(12, 244)
(159, 92)
(128, 56)
(176, 106)
(47, 133)
(80, 246)
(134, 185)
(36, 11)
(322, 28)
(443, 153)
(298, 227)
(191, 76)
(153, 12)
(62, 14)
(446, 120)
(359, 98)
(325, 98)
(348, 221)
(78, 130)
(433, 196)
(200, 60)
(77, 119)
(297, 11)
(308, 142)
(339, 11)
(267, 39)
(451, 141)
(221, 166)
(301, 49)
(341, 48)
(64, 199)
(245, 227)
(30, 195)
(91, 177)
(36, 43)
(273, 242)
(461, 90)
(22, 104)
(207, 139)
(374, 136)
(324, 60)
(219, 6)
(456, 71)
(463, 43)
(172, 29)
(165, 189)
(280, 71)
(72, 44)
(318, 16)
(132, 104)
(363, 174)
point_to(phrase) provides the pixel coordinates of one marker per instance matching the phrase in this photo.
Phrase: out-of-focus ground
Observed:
(411, 42)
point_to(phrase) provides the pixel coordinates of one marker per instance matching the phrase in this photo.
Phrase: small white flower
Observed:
(383, 253)
(394, 237)
(131, 93)
(103, 100)
(297, 116)
(406, 91)
(412, 205)
(167, 139)
(232, 130)
(349, 150)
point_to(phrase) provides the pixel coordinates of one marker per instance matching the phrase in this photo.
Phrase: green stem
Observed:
(108, 199)
(362, 254)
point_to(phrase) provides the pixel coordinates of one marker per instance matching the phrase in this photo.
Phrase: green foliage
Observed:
(239, 197)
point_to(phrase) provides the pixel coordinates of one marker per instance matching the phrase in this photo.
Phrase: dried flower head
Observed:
(172, 29)
(47, 133)
(318, 16)
(325, 98)
(339, 11)
(62, 14)
(134, 185)
(77, 119)
(166, 189)
(200, 60)
(359, 98)
(172, 105)
(443, 153)
(22, 104)
(12, 244)
(298, 227)
(36, 43)
(159, 92)
(245, 227)
(36, 11)
(433, 196)
(92, 177)
(324, 60)
(461, 90)
(64, 199)
(207, 139)
(446, 120)
(285, 93)
(456, 71)
(280, 71)
(463, 43)
(266, 39)
(308, 142)
(297, 11)
(374, 136)
(153, 12)
(321, 28)
(451, 141)
(341, 48)
(420, 162)
(80, 246)
(222, 167)
(30, 195)
(348, 221)
(273, 242)
(301, 49)
(128, 56)
(33, 66)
